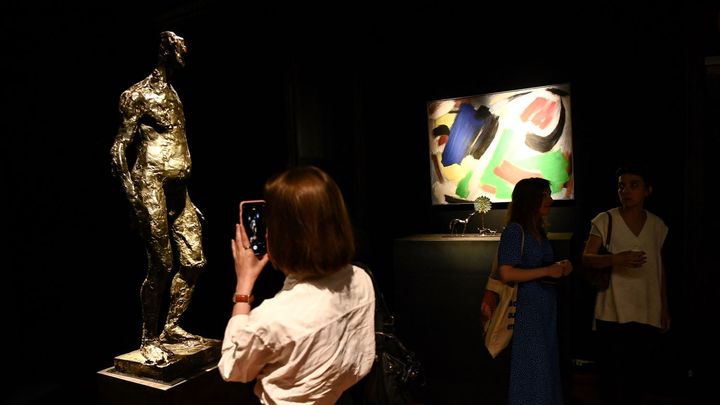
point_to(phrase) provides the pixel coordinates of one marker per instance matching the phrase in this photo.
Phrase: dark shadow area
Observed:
(263, 90)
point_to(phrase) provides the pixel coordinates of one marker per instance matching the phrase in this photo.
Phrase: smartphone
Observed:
(252, 214)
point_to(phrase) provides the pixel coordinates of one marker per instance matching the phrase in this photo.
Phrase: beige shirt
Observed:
(634, 294)
(307, 344)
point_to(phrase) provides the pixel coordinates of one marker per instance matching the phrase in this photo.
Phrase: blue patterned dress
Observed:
(535, 362)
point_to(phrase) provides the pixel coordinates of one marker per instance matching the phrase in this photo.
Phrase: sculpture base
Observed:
(187, 361)
(204, 387)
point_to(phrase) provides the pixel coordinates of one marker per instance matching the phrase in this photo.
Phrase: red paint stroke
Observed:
(533, 108)
(543, 119)
(436, 164)
(570, 184)
(512, 174)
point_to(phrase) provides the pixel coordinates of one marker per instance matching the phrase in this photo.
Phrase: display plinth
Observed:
(204, 387)
(453, 271)
(188, 360)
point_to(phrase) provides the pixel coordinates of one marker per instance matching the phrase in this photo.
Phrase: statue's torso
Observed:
(163, 150)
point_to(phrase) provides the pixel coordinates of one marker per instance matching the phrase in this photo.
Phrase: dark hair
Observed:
(309, 230)
(527, 197)
(636, 169)
(441, 130)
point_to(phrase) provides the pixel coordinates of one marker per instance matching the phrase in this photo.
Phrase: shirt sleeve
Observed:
(244, 351)
(599, 225)
(510, 242)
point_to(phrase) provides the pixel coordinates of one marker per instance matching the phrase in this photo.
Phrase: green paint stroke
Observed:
(502, 188)
(463, 187)
(551, 165)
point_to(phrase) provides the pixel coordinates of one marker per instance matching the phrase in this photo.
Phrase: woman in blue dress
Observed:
(526, 257)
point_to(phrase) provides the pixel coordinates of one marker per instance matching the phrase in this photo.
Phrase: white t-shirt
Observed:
(307, 344)
(634, 294)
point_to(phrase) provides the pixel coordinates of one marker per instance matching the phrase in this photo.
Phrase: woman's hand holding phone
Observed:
(252, 218)
(248, 265)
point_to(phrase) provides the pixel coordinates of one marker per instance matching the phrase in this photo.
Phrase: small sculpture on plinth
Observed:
(481, 206)
(455, 221)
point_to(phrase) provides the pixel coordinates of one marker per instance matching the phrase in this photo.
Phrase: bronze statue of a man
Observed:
(156, 187)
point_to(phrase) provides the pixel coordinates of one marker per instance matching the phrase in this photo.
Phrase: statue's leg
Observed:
(187, 235)
(152, 219)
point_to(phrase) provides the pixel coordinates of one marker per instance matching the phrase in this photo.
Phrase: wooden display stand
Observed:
(191, 378)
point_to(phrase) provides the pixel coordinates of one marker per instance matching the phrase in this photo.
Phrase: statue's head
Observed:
(172, 48)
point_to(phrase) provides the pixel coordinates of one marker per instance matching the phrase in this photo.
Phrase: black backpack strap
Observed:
(609, 229)
(384, 321)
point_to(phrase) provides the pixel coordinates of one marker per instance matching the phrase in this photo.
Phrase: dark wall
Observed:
(76, 262)
(265, 89)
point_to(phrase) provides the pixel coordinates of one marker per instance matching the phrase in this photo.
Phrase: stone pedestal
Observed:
(455, 269)
(188, 360)
(191, 377)
(203, 387)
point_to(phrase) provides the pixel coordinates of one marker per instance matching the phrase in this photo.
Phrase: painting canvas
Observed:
(483, 145)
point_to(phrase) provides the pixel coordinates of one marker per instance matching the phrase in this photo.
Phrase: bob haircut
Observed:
(527, 198)
(309, 230)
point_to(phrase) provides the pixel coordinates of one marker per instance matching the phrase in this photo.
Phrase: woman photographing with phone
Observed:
(315, 338)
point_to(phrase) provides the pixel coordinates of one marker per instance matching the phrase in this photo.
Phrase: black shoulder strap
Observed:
(383, 318)
(609, 229)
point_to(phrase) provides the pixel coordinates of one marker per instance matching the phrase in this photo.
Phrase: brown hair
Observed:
(527, 198)
(309, 230)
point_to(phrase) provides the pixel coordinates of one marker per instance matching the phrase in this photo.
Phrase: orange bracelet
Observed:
(243, 298)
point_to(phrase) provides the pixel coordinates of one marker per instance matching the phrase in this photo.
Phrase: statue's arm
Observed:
(130, 113)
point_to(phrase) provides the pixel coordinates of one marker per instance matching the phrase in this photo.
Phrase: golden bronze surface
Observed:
(185, 361)
(153, 122)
